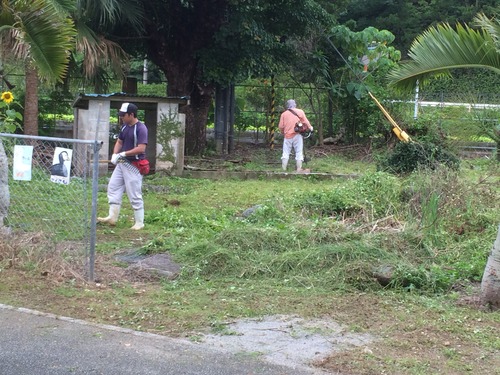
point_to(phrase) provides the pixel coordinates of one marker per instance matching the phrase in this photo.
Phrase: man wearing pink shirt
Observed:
(292, 139)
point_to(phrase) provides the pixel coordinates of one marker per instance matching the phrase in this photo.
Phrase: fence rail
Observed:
(50, 188)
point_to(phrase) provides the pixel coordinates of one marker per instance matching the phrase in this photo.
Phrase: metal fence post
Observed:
(49, 181)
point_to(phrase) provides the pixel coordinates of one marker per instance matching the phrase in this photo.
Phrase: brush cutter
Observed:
(400, 133)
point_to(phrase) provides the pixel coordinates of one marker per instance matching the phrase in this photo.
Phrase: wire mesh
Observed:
(50, 188)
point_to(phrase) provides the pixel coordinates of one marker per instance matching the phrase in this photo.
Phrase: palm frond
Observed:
(62, 7)
(442, 48)
(40, 30)
(491, 26)
(110, 12)
(50, 39)
(99, 52)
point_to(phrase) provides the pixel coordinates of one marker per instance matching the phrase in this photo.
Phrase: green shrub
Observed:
(407, 157)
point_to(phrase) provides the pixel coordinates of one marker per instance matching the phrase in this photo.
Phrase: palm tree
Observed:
(442, 48)
(94, 56)
(4, 187)
(48, 35)
(40, 34)
(434, 53)
(490, 284)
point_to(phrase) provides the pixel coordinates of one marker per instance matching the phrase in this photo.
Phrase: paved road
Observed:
(34, 343)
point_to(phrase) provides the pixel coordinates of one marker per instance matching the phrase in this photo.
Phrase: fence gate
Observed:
(51, 191)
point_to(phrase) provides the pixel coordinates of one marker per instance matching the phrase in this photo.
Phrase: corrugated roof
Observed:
(121, 96)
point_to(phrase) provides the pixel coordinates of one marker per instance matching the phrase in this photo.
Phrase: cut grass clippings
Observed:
(306, 247)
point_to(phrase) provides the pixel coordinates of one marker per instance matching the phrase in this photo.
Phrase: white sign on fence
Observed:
(61, 166)
(23, 156)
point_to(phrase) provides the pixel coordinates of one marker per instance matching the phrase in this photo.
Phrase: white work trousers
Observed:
(126, 178)
(297, 143)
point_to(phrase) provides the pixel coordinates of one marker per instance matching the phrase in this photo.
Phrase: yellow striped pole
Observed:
(273, 114)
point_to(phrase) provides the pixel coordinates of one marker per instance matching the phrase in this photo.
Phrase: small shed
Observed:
(92, 121)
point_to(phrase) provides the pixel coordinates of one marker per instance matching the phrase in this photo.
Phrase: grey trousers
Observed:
(126, 178)
(297, 143)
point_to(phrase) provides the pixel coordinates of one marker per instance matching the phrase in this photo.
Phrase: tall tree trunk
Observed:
(4, 186)
(196, 120)
(490, 285)
(31, 101)
(174, 49)
(181, 78)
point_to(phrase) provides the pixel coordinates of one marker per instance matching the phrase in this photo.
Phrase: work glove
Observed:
(114, 158)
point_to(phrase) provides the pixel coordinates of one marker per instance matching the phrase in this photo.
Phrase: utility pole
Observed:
(415, 111)
(145, 72)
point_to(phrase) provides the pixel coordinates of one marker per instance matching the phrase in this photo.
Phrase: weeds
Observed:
(411, 156)
(36, 253)
(331, 235)
(308, 247)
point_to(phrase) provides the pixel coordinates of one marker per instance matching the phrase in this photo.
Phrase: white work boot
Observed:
(112, 218)
(284, 163)
(139, 219)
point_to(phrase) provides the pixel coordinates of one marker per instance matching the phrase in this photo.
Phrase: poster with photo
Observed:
(61, 166)
(23, 157)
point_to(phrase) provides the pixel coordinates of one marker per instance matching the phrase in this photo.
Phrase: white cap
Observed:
(127, 108)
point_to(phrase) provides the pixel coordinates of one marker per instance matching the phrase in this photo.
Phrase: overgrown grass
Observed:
(310, 247)
(429, 228)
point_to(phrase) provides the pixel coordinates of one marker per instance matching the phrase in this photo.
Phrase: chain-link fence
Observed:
(50, 188)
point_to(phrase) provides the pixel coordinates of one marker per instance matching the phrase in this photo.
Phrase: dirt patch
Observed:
(245, 156)
(413, 339)
(287, 340)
